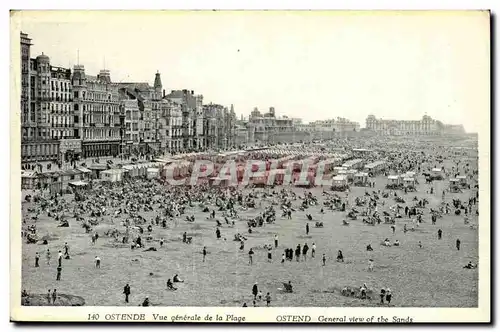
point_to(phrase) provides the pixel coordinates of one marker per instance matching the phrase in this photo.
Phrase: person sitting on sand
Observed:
(363, 291)
(369, 247)
(387, 243)
(170, 285)
(396, 243)
(146, 302)
(469, 265)
(176, 278)
(340, 256)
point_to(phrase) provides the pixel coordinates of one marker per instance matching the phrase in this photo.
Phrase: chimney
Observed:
(163, 92)
(192, 92)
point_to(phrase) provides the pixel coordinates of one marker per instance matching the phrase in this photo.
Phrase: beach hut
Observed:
(437, 174)
(393, 182)
(339, 183)
(113, 175)
(78, 184)
(409, 182)
(338, 169)
(455, 185)
(153, 173)
(410, 174)
(96, 169)
(28, 180)
(361, 179)
(462, 181)
(353, 163)
(375, 167)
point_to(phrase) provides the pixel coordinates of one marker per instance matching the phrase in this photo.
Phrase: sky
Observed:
(309, 65)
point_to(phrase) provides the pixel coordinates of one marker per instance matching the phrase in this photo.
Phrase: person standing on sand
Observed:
(126, 291)
(313, 250)
(97, 262)
(458, 244)
(204, 253)
(48, 297)
(59, 269)
(37, 259)
(324, 260)
(66, 249)
(48, 255)
(440, 234)
(250, 256)
(382, 296)
(307, 228)
(59, 258)
(276, 240)
(54, 296)
(388, 296)
(255, 291)
(304, 251)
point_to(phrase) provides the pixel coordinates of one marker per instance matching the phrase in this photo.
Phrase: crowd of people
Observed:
(135, 209)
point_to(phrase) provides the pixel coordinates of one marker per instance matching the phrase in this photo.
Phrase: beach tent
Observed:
(113, 175)
(28, 179)
(360, 178)
(339, 180)
(153, 173)
(409, 182)
(393, 179)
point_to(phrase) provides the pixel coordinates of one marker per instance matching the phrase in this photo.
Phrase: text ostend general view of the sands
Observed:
(135, 193)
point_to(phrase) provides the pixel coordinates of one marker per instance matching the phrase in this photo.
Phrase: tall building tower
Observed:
(27, 131)
(42, 116)
(81, 114)
(272, 112)
(157, 84)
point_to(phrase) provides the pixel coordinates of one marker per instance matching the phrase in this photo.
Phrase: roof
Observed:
(393, 177)
(436, 169)
(454, 180)
(79, 183)
(98, 166)
(113, 171)
(28, 174)
(461, 177)
(375, 163)
(54, 174)
(83, 169)
(409, 179)
(71, 172)
(141, 86)
(339, 178)
(361, 174)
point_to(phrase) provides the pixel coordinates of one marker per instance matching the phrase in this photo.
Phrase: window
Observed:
(75, 94)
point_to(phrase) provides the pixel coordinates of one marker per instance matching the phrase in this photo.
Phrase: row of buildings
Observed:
(427, 126)
(67, 114)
